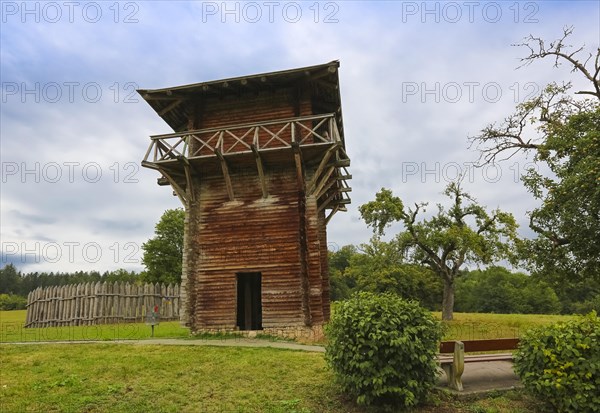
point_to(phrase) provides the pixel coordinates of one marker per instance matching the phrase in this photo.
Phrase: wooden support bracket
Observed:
(326, 202)
(188, 177)
(299, 169)
(331, 214)
(178, 189)
(321, 167)
(318, 192)
(225, 170)
(261, 172)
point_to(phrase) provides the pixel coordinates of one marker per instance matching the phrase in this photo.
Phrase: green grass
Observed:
(473, 326)
(465, 326)
(127, 378)
(12, 329)
(130, 378)
(122, 378)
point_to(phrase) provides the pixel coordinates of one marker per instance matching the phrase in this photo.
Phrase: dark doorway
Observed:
(249, 306)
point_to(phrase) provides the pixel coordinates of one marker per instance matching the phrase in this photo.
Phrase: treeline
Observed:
(15, 283)
(378, 267)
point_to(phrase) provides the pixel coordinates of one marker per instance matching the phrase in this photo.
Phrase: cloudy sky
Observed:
(417, 78)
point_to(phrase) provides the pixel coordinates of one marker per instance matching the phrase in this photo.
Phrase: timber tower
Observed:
(259, 163)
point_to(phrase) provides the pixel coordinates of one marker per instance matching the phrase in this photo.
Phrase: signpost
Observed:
(152, 318)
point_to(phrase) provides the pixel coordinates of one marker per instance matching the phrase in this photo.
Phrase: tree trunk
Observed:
(448, 300)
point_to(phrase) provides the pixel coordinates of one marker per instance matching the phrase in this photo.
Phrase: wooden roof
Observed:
(173, 103)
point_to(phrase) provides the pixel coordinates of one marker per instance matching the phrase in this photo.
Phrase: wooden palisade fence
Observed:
(100, 303)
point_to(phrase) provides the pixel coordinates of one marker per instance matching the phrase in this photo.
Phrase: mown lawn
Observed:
(128, 378)
(465, 326)
(12, 329)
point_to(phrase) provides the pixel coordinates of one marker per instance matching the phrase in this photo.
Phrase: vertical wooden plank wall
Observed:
(100, 303)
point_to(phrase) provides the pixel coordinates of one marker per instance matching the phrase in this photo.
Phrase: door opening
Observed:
(249, 305)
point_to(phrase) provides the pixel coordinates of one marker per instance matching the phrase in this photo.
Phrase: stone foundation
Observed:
(299, 333)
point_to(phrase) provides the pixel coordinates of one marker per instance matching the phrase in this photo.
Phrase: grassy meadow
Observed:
(465, 326)
(101, 377)
(474, 326)
(122, 378)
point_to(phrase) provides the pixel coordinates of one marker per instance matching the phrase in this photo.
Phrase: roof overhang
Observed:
(173, 103)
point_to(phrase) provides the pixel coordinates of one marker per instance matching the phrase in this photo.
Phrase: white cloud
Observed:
(395, 63)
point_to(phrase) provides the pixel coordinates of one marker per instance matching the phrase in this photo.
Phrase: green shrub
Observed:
(12, 302)
(560, 364)
(382, 349)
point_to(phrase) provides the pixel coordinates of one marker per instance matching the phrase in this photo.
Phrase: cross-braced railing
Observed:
(261, 136)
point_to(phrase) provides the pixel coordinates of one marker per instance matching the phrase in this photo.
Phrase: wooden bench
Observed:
(452, 356)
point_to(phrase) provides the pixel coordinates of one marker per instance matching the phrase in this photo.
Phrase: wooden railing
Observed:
(260, 136)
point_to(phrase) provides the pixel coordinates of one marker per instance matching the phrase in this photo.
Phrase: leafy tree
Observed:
(380, 267)
(9, 280)
(163, 254)
(562, 131)
(579, 296)
(464, 233)
(121, 275)
(497, 290)
(342, 284)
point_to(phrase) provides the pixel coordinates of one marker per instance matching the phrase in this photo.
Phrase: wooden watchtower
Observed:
(259, 163)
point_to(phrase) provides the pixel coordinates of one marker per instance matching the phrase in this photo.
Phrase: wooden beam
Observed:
(149, 96)
(327, 188)
(319, 189)
(331, 214)
(150, 165)
(170, 107)
(304, 268)
(323, 73)
(182, 127)
(299, 169)
(188, 177)
(225, 170)
(261, 173)
(178, 189)
(321, 167)
(326, 202)
(342, 163)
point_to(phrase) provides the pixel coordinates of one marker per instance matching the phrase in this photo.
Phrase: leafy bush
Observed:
(12, 302)
(560, 364)
(382, 349)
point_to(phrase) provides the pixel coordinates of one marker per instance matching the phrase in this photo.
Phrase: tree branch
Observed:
(556, 240)
(557, 49)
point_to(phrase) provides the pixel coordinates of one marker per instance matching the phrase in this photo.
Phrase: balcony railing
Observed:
(258, 136)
